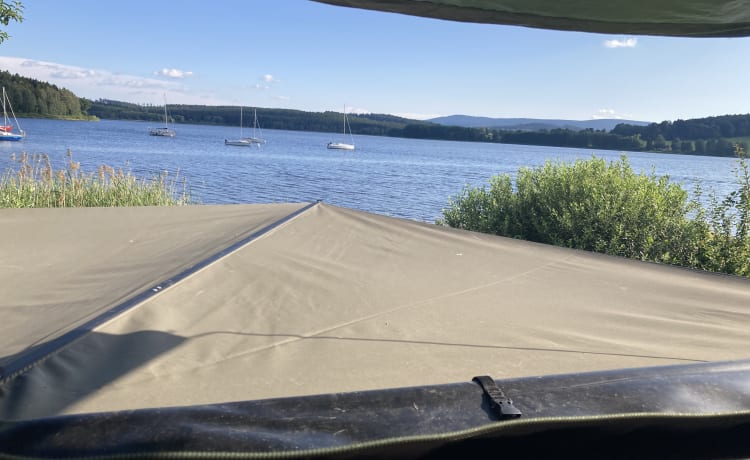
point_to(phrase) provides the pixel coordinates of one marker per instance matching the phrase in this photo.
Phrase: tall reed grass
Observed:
(34, 183)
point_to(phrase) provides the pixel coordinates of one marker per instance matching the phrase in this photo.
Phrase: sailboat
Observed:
(344, 145)
(6, 129)
(166, 131)
(247, 141)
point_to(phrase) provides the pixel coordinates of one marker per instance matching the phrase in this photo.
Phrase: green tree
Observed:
(85, 104)
(676, 145)
(711, 146)
(700, 146)
(11, 11)
(660, 143)
(724, 147)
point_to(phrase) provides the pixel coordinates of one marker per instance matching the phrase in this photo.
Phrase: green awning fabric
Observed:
(685, 18)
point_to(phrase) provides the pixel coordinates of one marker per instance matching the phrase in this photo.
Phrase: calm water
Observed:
(398, 177)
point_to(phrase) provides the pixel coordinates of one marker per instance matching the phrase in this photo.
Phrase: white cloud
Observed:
(626, 43)
(73, 74)
(265, 81)
(608, 114)
(173, 73)
(104, 84)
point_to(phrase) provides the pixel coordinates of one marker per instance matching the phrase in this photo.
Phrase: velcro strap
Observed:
(500, 404)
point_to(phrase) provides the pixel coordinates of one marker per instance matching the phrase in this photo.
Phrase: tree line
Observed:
(365, 124)
(705, 136)
(33, 98)
(294, 120)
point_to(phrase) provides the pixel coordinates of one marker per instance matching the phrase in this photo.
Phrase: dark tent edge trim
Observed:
(697, 410)
(36, 355)
(501, 429)
(611, 425)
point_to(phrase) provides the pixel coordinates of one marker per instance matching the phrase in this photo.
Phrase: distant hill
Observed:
(531, 124)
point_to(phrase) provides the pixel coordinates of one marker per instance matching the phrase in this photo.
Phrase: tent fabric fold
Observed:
(336, 300)
(62, 267)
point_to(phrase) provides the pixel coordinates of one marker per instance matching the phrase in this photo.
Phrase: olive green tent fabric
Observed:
(688, 18)
(338, 300)
(60, 267)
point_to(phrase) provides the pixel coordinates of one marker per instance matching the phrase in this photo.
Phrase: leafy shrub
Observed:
(608, 208)
(723, 230)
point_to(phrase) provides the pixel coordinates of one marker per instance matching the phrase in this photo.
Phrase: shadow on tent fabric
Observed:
(79, 370)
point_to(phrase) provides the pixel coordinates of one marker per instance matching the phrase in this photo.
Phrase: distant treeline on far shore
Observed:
(702, 136)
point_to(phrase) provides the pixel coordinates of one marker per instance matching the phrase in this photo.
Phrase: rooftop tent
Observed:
(686, 18)
(308, 328)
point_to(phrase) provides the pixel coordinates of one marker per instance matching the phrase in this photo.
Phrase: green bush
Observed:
(607, 207)
(723, 229)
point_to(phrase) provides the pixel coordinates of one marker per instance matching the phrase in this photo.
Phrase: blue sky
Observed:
(304, 55)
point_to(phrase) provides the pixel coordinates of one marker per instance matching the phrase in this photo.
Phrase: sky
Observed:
(300, 54)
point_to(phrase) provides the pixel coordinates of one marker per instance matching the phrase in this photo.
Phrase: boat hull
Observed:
(162, 132)
(6, 136)
(246, 142)
(340, 146)
(6, 129)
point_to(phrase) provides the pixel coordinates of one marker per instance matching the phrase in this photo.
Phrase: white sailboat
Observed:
(344, 145)
(6, 129)
(247, 141)
(166, 131)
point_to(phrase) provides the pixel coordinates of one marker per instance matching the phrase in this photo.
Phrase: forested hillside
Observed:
(295, 120)
(37, 99)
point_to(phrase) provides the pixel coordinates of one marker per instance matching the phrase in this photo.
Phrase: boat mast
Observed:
(344, 119)
(346, 123)
(166, 117)
(5, 114)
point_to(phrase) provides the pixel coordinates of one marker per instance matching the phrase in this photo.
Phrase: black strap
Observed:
(501, 405)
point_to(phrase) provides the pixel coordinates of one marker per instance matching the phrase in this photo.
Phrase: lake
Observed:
(407, 178)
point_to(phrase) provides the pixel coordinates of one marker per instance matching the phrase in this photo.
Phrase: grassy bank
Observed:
(34, 183)
(608, 208)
